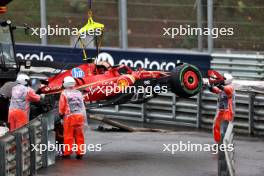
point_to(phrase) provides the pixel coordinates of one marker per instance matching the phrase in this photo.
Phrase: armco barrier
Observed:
(226, 162)
(242, 66)
(198, 111)
(17, 155)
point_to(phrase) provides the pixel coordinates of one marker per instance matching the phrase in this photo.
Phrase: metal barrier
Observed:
(161, 110)
(226, 162)
(18, 154)
(242, 66)
(197, 111)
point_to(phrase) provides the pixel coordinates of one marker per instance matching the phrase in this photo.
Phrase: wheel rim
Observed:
(190, 80)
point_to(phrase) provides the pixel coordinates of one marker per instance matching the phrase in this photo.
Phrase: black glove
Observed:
(218, 84)
(221, 87)
(61, 116)
(222, 82)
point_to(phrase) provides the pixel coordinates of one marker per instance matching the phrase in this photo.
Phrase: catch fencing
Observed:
(197, 111)
(17, 155)
(241, 66)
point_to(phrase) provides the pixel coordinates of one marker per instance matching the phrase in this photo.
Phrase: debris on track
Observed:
(118, 126)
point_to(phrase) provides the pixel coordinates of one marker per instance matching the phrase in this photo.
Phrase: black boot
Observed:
(66, 157)
(79, 157)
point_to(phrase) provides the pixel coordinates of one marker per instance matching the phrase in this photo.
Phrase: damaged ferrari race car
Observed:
(103, 84)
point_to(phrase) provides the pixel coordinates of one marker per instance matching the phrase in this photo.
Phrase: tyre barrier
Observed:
(20, 152)
(226, 162)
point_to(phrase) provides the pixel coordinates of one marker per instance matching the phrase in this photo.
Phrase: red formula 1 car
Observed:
(103, 84)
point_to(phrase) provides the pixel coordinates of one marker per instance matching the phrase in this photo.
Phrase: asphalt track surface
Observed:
(141, 154)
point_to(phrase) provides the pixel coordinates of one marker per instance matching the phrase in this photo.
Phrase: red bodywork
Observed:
(96, 77)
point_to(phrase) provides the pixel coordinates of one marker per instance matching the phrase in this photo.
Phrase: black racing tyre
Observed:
(186, 80)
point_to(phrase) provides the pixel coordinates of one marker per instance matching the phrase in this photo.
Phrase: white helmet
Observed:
(22, 79)
(68, 82)
(228, 78)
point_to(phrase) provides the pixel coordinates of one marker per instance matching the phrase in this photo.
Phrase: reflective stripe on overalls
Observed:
(75, 101)
(18, 100)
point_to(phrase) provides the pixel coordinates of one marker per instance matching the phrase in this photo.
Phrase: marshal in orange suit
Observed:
(222, 85)
(72, 109)
(22, 95)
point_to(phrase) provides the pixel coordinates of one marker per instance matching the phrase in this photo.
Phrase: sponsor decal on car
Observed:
(77, 73)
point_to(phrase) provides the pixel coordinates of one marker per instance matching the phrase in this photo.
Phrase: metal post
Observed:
(19, 154)
(43, 19)
(251, 113)
(51, 155)
(50, 116)
(199, 110)
(44, 140)
(123, 24)
(222, 165)
(143, 113)
(174, 107)
(2, 158)
(200, 23)
(32, 139)
(116, 108)
(210, 40)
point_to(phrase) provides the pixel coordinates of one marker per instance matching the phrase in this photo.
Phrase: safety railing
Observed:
(20, 152)
(242, 66)
(161, 110)
(197, 111)
(226, 162)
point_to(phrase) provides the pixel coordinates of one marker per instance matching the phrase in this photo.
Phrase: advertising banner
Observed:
(151, 60)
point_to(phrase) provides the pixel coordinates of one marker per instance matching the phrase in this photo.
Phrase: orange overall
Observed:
(71, 106)
(225, 108)
(18, 114)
